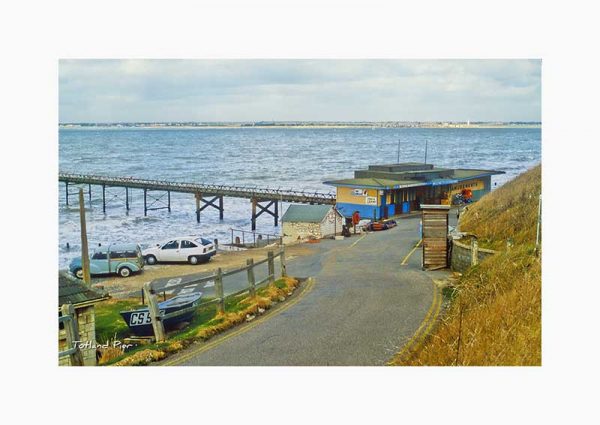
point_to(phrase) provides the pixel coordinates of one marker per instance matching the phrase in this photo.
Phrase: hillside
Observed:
(508, 212)
(494, 317)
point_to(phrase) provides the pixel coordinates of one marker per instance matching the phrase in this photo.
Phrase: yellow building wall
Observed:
(346, 195)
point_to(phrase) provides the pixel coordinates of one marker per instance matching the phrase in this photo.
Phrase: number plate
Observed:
(140, 318)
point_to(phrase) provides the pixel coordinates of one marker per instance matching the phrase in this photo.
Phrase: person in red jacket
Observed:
(355, 220)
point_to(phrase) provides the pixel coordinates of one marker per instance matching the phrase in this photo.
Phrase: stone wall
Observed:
(461, 255)
(86, 321)
(297, 232)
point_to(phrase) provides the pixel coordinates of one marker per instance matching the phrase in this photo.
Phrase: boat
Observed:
(140, 323)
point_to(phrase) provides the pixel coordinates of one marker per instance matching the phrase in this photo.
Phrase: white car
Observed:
(192, 249)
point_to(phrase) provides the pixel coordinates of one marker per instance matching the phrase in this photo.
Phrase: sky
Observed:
(166, 90)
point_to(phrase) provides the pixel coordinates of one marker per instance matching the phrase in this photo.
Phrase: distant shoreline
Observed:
(300, 127)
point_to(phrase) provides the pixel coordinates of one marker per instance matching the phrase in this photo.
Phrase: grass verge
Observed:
(207, 322)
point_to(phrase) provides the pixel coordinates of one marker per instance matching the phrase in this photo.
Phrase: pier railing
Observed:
(244, 238)
(151, 293)
(250, 192)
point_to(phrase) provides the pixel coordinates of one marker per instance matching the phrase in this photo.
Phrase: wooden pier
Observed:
(265, 200)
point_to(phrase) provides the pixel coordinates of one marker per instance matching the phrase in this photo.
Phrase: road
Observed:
(363, 308)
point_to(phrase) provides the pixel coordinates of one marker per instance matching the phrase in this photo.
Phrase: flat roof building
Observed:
(391, 189)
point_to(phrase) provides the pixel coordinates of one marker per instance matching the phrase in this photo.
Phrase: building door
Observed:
(384, 208)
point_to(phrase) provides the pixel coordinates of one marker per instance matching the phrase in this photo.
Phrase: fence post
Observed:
(251, 281)
(72, 331)
(271, 264)
(474, 252)
(219, 291)
(157, 325)
(283, 265)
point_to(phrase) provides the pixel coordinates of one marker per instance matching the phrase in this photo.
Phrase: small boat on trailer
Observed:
(140, 322)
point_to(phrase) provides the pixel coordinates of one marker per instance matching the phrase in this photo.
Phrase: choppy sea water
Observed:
(285, 158)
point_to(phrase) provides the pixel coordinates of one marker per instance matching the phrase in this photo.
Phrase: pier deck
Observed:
(268, 197)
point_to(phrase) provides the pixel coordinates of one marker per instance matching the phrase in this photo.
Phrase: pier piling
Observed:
(254, 214)
(198, 198)
(104, 198)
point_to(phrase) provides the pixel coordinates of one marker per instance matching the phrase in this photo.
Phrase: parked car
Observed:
(122, 259)
(192, 249)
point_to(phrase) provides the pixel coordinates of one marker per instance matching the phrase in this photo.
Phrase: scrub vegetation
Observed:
(494, 317)
(206, 323)
(509, 213)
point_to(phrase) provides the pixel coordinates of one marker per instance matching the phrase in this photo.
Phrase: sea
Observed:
(285, 158)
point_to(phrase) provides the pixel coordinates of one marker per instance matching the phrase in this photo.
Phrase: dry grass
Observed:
(109, 353)
(496, 314)
(501, 316)
(142, 358)
(509, 212)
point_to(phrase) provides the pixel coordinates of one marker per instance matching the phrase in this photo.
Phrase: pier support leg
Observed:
(253, 214)
(264, 208)
(104, 198)
(67, 193)
(220, 208)
(127, 198)
(198, 198)
(276, 216)
(169, 200)
(90, 194)
(145, 202)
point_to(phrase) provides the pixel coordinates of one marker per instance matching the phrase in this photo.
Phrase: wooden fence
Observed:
(67, 318)
(151, 295)
(465, 255)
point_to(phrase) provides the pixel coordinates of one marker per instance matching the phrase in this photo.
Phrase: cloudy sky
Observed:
(297, 90)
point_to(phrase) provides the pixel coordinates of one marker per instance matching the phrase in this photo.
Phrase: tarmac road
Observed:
(362, 309)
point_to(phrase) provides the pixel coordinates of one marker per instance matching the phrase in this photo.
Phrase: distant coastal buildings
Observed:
(312, 124)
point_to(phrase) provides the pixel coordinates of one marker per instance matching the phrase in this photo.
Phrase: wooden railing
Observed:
(151, 295)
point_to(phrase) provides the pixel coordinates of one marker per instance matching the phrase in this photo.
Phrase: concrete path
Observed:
(362, 309)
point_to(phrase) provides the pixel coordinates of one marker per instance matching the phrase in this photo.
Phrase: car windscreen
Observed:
(203, 241)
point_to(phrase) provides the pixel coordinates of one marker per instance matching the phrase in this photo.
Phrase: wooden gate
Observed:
(435, 236)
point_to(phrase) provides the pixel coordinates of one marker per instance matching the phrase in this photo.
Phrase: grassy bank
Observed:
(495, 314)
(206, 323)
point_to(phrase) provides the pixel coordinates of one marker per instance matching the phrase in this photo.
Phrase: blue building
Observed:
(392, 189)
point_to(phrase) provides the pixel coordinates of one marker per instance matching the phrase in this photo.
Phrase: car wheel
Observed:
(78, 273)
(124, 272)
(193, 260)
(151, 259)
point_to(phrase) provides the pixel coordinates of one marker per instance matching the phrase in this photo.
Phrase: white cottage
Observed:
(304, 222)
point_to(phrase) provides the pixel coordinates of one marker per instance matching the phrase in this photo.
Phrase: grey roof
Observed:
(306, 213)
(72, 291)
